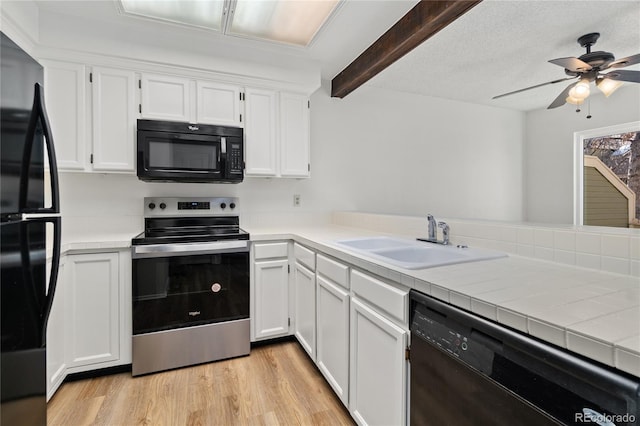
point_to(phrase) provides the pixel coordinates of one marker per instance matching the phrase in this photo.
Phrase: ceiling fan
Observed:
(589, 68)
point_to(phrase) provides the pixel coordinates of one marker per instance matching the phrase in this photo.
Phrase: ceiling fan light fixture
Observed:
(580, 90)
(574, 101)
(607, 86)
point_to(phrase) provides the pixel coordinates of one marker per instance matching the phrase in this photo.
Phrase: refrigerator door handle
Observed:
(53, 275)
(39, 113)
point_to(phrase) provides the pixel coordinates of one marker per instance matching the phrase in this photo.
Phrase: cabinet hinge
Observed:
(91, 159)
(241, 118)
(90, 77)
(140, 108)
(139, 84)
(407, 353)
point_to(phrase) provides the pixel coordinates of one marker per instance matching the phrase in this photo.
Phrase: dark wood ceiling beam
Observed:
(423, 21)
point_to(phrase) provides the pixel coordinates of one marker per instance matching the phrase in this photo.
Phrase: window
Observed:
(607, 175)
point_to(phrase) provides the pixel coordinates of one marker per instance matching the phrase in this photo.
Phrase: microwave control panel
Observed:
(234, 157)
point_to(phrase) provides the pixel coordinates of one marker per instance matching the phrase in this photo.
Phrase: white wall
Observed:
(376, 150)
(392, 152)
(549, 150)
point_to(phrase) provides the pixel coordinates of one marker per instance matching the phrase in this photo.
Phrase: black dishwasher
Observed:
(469, 371)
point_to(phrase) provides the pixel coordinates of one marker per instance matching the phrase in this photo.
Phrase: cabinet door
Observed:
(93, 305)
(377, 384)
(260, 133)
(65, 90)
(271, 317)
(165, 98)
(305, 309)
(218, 104)
(294, 135)
(333, 336)
(114, 119)
(56, 335)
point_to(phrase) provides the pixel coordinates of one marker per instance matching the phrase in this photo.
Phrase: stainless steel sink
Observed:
(411, 254)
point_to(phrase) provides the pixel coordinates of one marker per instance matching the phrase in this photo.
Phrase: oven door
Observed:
(181, 285)
(179, 156)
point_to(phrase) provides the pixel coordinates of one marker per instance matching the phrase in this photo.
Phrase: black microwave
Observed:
(171, 151)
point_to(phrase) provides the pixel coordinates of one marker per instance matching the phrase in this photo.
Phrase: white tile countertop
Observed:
(590, 312)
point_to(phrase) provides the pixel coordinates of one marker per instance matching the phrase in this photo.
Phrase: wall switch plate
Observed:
(296, 200)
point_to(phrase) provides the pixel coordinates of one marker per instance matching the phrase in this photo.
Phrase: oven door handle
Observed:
(189, 249)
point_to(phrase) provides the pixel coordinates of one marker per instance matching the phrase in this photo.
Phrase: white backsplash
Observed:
(607, 249)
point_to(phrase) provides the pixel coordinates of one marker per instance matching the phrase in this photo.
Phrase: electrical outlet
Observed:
(296, 200)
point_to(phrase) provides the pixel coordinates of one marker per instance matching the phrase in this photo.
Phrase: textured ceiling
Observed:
(497, 47)
(501, 46)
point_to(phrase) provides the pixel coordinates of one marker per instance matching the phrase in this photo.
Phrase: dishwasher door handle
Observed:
(189, 249)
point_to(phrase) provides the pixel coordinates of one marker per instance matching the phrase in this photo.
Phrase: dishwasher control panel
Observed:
(441, 336)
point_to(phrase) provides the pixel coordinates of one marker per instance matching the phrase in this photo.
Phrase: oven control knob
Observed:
(152, 206)
(232, 205)
(163, 206)
(216, 287)
(223, 206)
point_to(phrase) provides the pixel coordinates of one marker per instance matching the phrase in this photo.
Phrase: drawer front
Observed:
(270, 250)
(393, 300)
(335, 271)
(304, 256)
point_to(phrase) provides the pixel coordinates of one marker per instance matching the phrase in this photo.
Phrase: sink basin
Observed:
(375, 243)
(416, 255)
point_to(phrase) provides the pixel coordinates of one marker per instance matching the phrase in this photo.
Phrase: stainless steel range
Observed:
(190, 284)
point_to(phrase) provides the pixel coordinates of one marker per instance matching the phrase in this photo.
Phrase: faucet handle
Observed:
(445, 232)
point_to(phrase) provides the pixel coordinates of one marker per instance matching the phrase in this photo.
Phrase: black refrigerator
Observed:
(30, 233)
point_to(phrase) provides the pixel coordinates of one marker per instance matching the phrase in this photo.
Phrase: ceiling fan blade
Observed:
(561, 99)
(624, 75)
(625, 62)
(572, 64)
(533, 87)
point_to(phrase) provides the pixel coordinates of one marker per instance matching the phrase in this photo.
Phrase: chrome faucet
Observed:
(445, 232)
(433, 231)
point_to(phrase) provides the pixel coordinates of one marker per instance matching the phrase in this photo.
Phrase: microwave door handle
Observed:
(223, 148)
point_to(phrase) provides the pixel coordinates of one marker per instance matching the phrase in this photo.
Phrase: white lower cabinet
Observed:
(333, 336)
(352, 324)
(377, 368)
(89, 326)
(93, 290)
(270, 290)
(305, 308)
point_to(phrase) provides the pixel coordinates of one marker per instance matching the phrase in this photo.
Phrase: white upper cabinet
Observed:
(218, 104)
(165, 97)
(276, 134)
(92, 111)
(294, 135)
(114, 119)
(64, 86)
(260, 132)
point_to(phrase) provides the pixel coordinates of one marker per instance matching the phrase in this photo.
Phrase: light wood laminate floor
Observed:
(276, 385)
